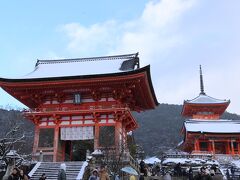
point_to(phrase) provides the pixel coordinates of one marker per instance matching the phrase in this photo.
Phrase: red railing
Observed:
(79, 108)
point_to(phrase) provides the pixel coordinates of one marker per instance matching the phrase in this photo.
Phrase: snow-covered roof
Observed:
(152, 160)
(212, 126)
(82, 66)
(205, 99)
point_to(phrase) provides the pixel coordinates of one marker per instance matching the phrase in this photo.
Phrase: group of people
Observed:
(150, 170)
(100, 174)
(17, 174)
(204, 173)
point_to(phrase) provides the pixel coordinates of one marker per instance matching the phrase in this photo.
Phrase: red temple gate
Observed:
(76, 106)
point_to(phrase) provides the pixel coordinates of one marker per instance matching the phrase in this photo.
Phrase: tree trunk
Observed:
(8, 172)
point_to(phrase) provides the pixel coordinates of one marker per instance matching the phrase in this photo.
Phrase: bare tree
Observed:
(9, 142)
(116, 155)
(13, 140)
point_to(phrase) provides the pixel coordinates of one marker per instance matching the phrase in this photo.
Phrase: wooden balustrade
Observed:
(79, 108)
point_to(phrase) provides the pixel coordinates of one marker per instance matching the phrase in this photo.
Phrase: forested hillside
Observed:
(159, 129)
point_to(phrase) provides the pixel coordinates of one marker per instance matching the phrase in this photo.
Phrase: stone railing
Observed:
(201, 156)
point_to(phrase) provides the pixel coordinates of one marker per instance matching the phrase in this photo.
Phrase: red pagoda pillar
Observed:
(55, 143)
(96, 136)
(36, 139)
(227, 147)
(117, 134)
(213, 147)
(196, 145)
(232, 148)
(238, 146)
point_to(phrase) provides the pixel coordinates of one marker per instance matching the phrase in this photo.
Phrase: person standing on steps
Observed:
(103, 175)
(43, 177)
(62, 172)
(94, 175)
(14, 175)
(22, 176)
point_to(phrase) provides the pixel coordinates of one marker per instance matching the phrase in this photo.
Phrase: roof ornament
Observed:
(124, 57)
(201, 83)
(130, 63)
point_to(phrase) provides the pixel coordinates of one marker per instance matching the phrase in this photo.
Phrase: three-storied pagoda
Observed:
(205, 132)
(84, 103)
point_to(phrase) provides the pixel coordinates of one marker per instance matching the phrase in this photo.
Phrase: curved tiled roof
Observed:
(205, 99)
(212, 126)
(82, 69)
(82, 66)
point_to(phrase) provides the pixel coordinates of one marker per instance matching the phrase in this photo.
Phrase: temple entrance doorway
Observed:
(76, 150)
(77, 141)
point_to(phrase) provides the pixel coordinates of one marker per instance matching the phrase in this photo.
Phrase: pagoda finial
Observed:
(201, 82)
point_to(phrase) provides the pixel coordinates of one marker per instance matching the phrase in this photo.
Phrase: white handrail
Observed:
(81, 172)
(34, 169)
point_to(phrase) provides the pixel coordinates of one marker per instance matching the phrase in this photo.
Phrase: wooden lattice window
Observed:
(106, 136)
(46, 137)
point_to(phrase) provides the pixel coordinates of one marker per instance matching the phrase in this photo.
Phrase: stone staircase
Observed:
(51, 170)
(225, 164)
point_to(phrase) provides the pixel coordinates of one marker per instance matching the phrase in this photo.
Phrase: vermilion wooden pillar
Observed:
(117, 133)
(96, 136)
(227, 147)
(238, 145)
(36, 139)
(196, 145)
(213, 147)
(232, 148)
(55, 143)
(209, 143)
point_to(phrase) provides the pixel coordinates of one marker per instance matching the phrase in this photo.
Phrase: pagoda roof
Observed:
(204, 103)
(82, 66)
(205, 99)
(220, 126)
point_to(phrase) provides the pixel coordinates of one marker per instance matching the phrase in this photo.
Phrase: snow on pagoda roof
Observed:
(83, 66)
(212, 126)
(205, 99)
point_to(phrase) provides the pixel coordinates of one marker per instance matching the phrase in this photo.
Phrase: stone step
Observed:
(51, 170)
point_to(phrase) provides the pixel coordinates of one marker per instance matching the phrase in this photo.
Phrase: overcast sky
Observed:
(173, 36)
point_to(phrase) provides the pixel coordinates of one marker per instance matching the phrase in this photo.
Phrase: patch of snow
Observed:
(77, 67)
(152, 160)
(180, 143)
(12, 153)
(89, 158)
(97, 152)
(236, 163)
(129, 133)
